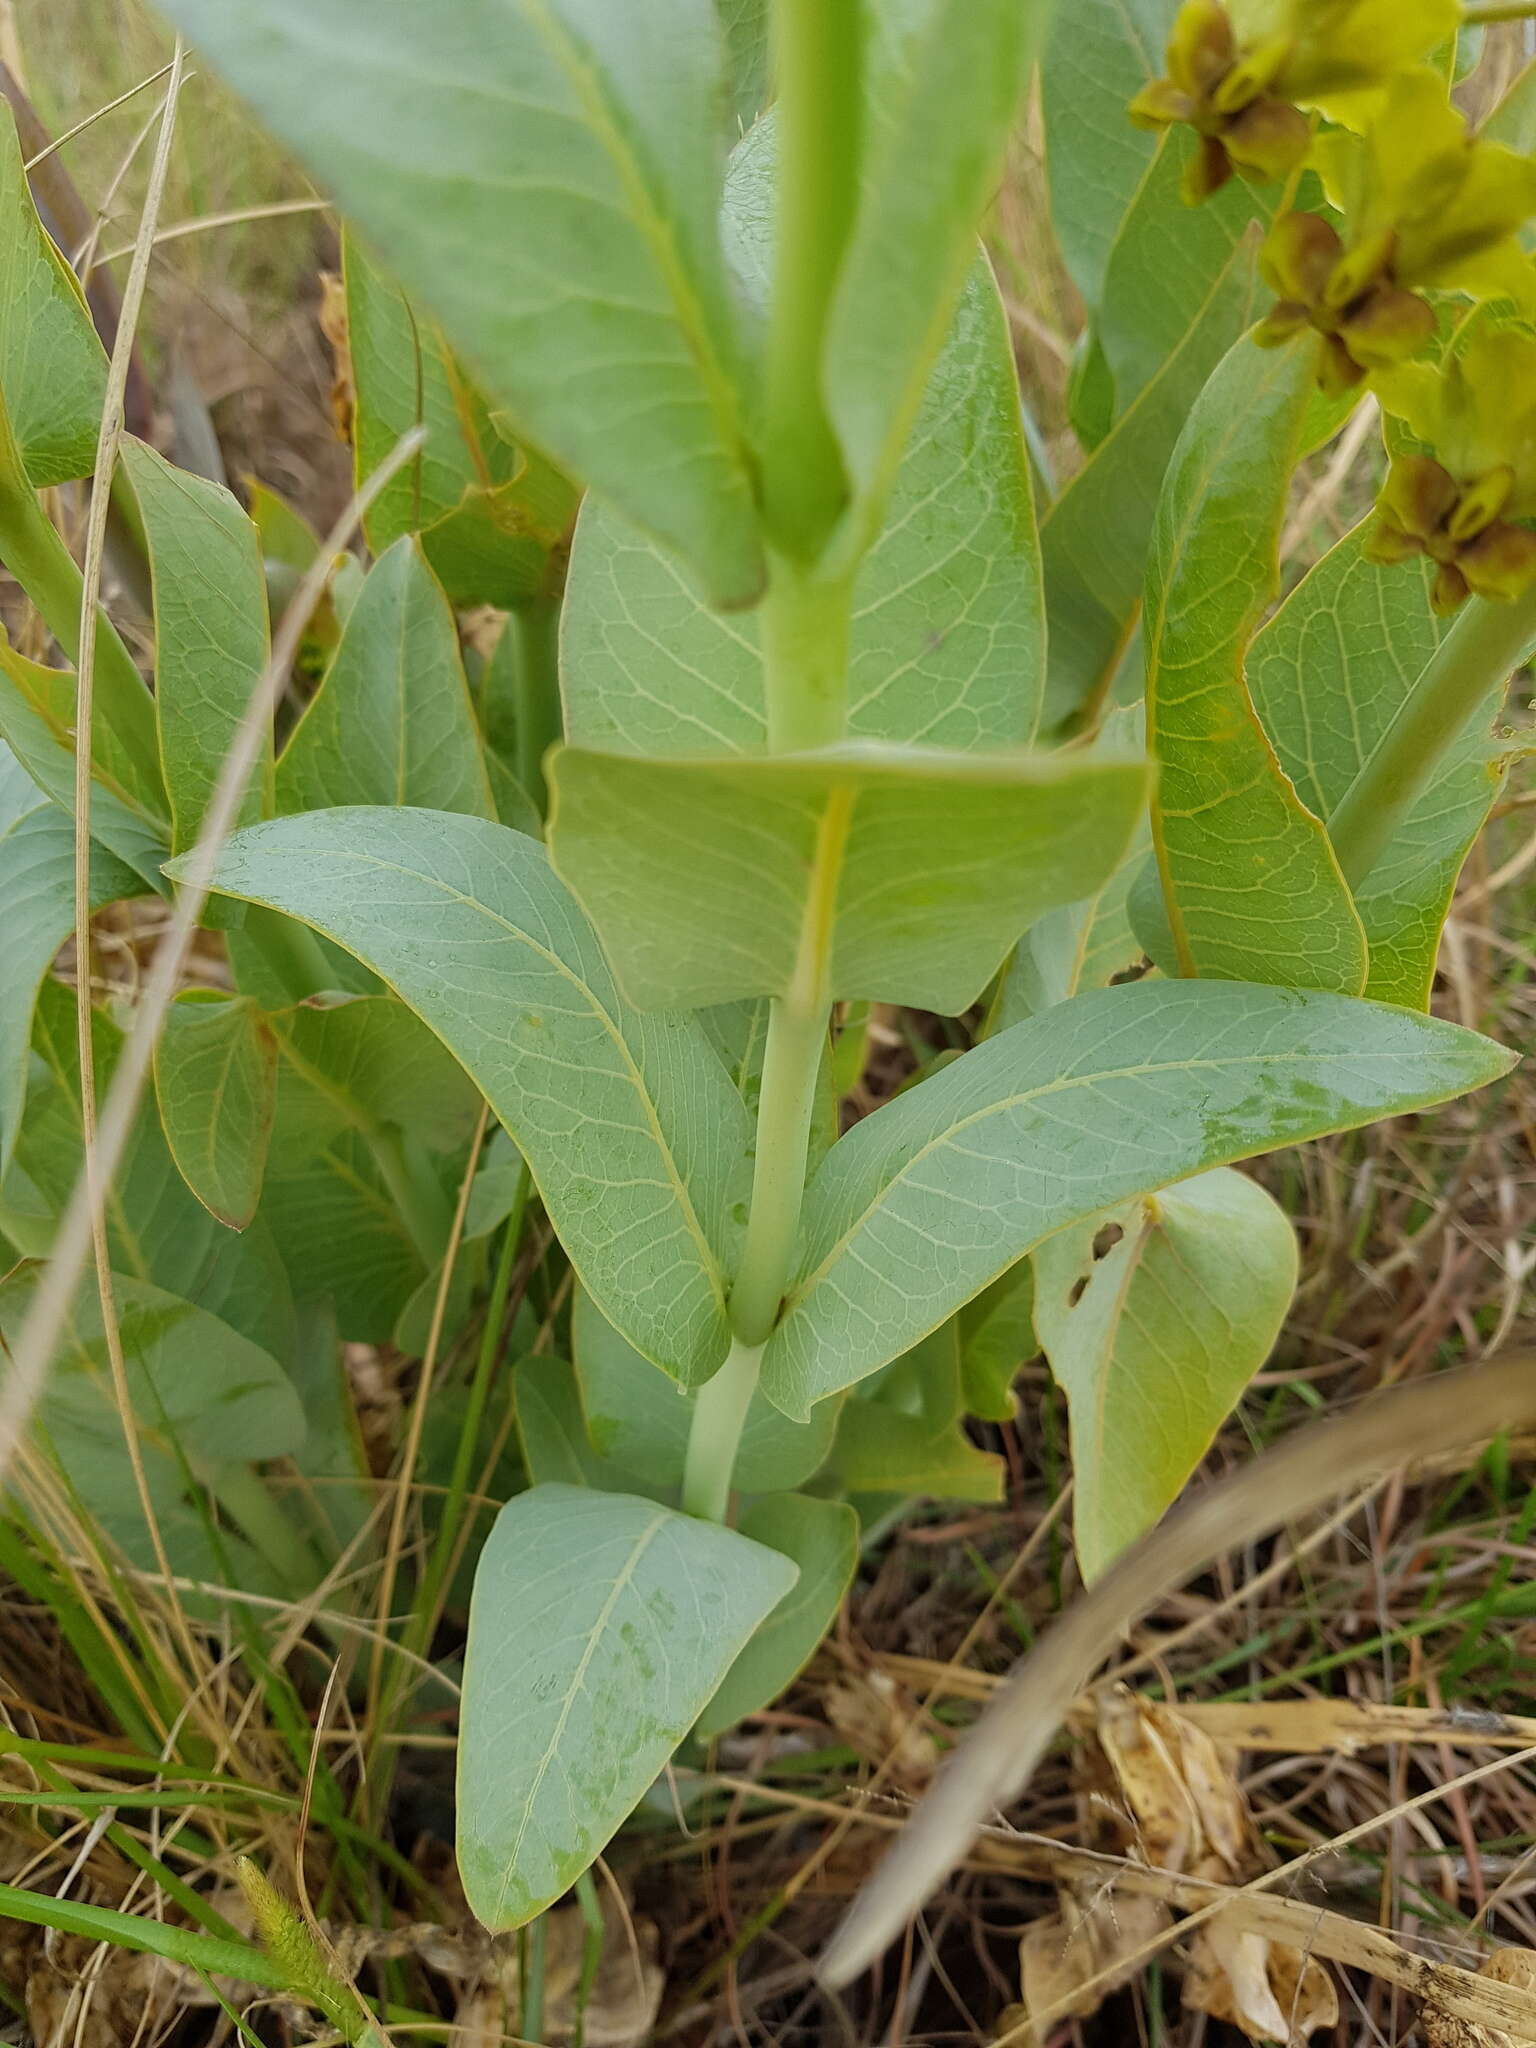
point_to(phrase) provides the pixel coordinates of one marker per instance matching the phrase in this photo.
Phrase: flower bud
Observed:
(1160, 104)
(1337, 370)
(1500, 563)
(1418, 495)
(1206, 172)
(1387, 543)
(1298, 256)
(1202, 48)
(1449, 591)
(1268, 139)
(1388, 326)
(1282, 323)
(1367, 263)
(1251, 75)
(1481, 503)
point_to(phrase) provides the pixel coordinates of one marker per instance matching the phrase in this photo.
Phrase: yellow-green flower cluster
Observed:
(1423, 204)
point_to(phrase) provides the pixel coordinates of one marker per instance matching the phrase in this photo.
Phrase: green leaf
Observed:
(1097, 57)
(216, 1082)
(37, 914)
(552, 200)
(601, 1626)
(1252, 888)
(945, 80)
(211, 640)
(1154, 1338)
(639, 1418)
(1094, 538)
(821, 1538)
(997, 1334)
(1114, 1094)
(1327, 674)
(745, 25)
(53, 370)
(488, 513)
(907, 872)
(366, 1063)
(632, 1131)
(879, 1450)
(340, 1234)
(948, 644)
(552, 1434)
(392, 723)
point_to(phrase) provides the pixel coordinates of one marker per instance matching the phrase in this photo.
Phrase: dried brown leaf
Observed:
(1271, 1991)
(1515, 1967)
(1071, 1960)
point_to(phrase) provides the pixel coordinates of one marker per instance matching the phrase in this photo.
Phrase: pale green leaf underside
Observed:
(629, 1123)
(211, 639)
(601, 1626)
(1169, 1327)
(703, 877)
(1252, 888)
(821, 1538)
(1114, 1094)
(392, 721)
(544, 176)
(947, 645)
(1327, 673)
(880, 1450)
(215, 1080)
(53, 369)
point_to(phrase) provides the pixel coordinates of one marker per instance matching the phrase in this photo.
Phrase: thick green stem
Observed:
(791, 1064)
(718, 1418)
(817, 54)
(1483, 649)
(536, 681)
(805, 626)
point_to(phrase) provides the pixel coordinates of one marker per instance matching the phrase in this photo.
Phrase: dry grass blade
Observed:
(1309, 1468)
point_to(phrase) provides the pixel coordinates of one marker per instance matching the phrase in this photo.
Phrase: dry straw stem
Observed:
(996, 1761)
(40, 1333)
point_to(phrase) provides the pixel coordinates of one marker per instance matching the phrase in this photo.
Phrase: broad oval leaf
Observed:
(631, 1128)
(211, 637)
(947, 645)
(1251, 885)
(216, 1083)
(821, 1538)
(1154, 1339)
(1116, 1093)
(904, 874)
(640, 1419)
(1327, 674)
(544, 175)
(601, 1626)
(392, 721)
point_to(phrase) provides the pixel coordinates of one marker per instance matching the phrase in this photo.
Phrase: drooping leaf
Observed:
(215, 1079)
(821, 1537)
(53, 370)
(488, 513)
(211, 639)
(1327, 673)
(944, 79)
(1116, 1093)
(578, 265)
(1093, 539)
(910, 872)
(1252, 889)
(882, 1451)
(157, 1230)
(37, 914)
(630, 1126)
(639, 1418)
(392, 721)
(1154, 1339)
(601, 1626)
(947, 643)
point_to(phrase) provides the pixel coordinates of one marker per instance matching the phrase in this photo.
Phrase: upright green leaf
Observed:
(908, 873)
(640, 1419)
(552, 1434)
(1153, 1339)
(1327, 673)
(392, 722)
(948, 645)
(211, 641)
(601, 1626)
(946, 77)
(216, 1082)
(819, 1537)
(487, 512)
(577, 264)
(631, 1128)
(1113, 1094)
(37, 914)
(53, 370)
(1251, 885)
